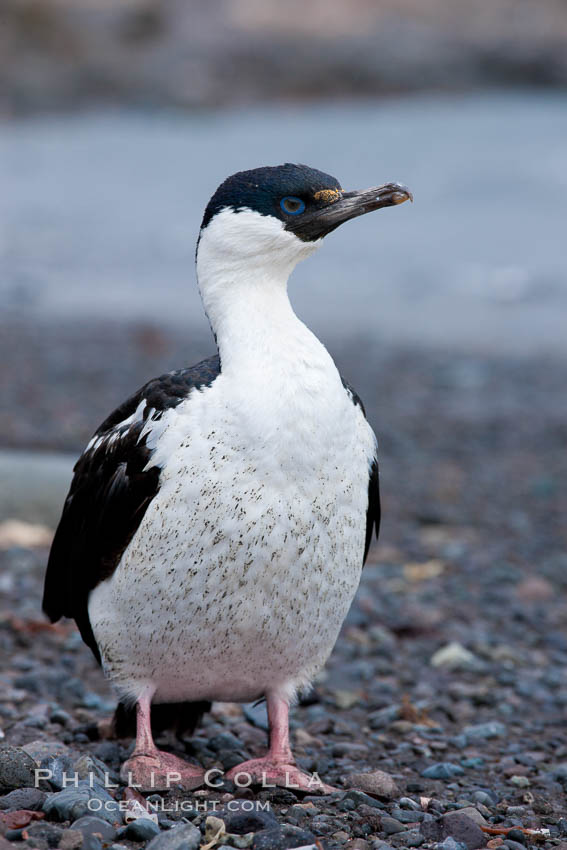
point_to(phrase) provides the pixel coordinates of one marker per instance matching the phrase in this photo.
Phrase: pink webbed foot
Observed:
(277, 767)
(267, 773)
(150, 769)
(159, 771)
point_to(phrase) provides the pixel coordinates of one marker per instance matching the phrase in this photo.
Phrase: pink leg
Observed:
(150, 769)
(278, 766)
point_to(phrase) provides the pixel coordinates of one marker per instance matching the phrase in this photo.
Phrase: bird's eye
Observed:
(292, 205)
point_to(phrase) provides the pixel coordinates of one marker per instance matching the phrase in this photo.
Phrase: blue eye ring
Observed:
(292, 205)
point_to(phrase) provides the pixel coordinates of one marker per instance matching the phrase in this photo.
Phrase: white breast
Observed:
(247, 560)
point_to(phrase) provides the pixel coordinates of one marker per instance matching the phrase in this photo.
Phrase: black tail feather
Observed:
(179, 717)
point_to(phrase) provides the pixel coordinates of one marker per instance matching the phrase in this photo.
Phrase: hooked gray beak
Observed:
(348, 205)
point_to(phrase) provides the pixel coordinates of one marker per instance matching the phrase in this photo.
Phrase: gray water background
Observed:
(99, 213)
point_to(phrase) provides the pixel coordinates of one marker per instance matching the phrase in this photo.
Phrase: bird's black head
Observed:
(309, 203)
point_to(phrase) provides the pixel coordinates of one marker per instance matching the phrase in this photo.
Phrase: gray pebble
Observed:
(517, 836)
(224, 741)
(91, 825)
(61, 717)
(16, 769)
(74, 802)
(451, 844)
(464, 829)
(481, 731)
(359, 798)
(442, 770)
(91, 768)
(257, 715)
(408, 803)
(59, 767)
(405, 816)
(391, 826)
(241, 818)
(140, 829)
(23, 798)
(383, 717)
(483, 797)
(186, 836)
(282, 838)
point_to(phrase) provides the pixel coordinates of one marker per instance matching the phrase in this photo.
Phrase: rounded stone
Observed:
(285, 837)
(186, 836)
(31, 799)
(243, 817)
(16, 769)
(378, 782)
(141, 829)
(92, 825)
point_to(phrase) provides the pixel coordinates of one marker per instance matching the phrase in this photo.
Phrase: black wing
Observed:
(110, 493)
(373, 512)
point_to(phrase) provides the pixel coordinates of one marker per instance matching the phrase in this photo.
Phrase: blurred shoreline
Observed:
(60, 55)
(100, 212)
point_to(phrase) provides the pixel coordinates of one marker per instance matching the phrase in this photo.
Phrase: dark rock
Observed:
(372, 817)
(92, 825)
(75, 801)
(59, 767)
(360, 798)
(186, 836)
(407, 816)
(47, 832)
(140, 829)
(60, 716)
(231, 758)
(516, 835)
(13, 835)
(108, 752)
(243, 817)
(31, 799)
(16, 769)
(471, 813)
(224, 741)
(442, 770)
(91, 768)
(457, 826)
(392, 826)
(282, 838)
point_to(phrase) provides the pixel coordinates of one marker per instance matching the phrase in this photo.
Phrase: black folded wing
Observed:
(112, 487)
(373, 511)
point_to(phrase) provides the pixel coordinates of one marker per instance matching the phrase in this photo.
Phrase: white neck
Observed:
(243, 264)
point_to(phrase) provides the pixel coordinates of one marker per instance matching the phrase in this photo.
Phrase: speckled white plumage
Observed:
(243, 568)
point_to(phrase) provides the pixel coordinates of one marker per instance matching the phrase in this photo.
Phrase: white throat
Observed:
(244, 261)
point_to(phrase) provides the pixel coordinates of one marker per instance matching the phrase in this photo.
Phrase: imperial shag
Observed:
(217, 523)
